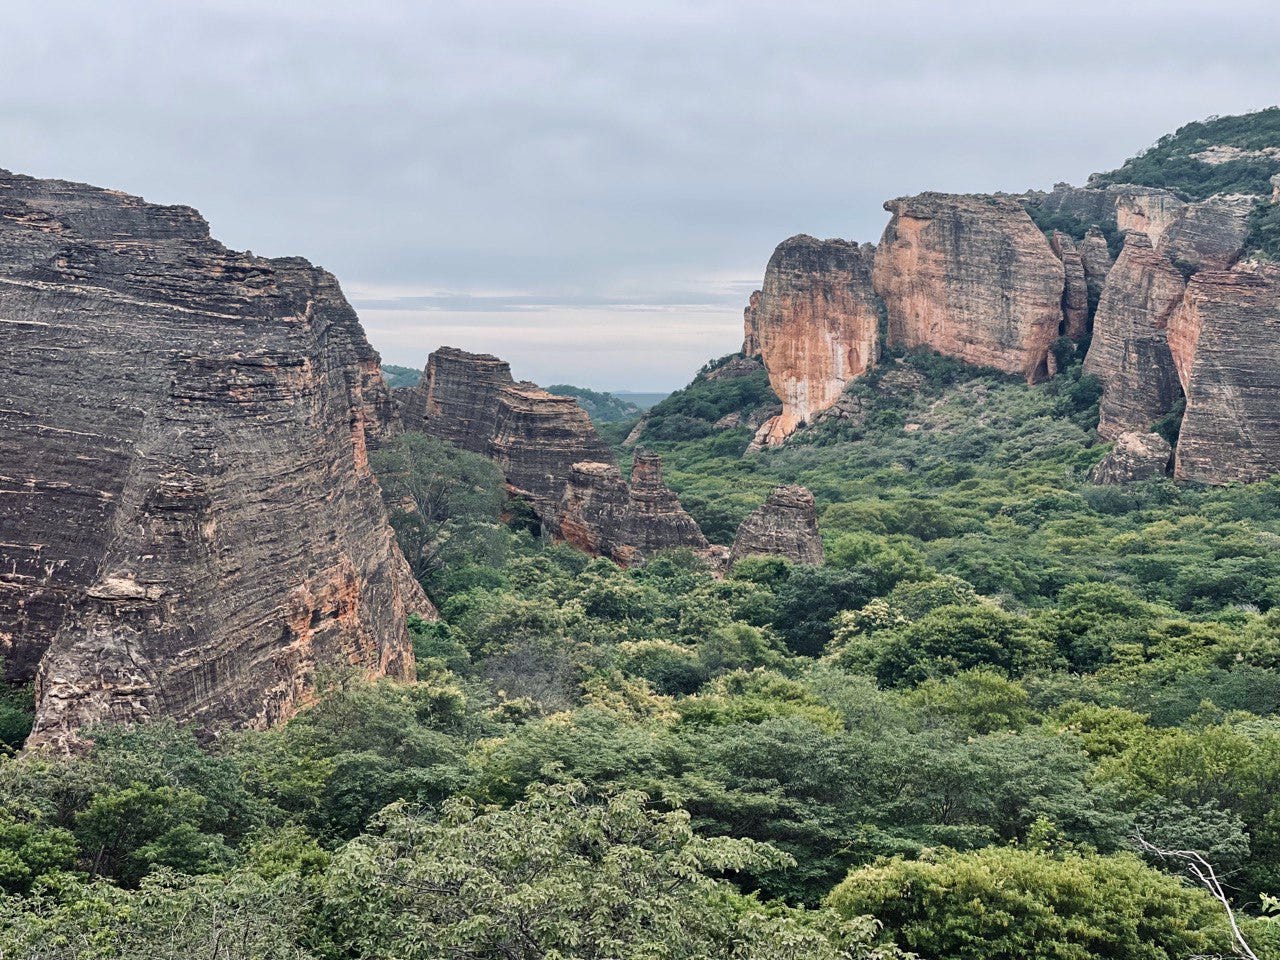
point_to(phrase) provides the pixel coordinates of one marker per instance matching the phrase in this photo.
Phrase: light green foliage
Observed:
(1006, 903)
(444, 504)
(557, 876)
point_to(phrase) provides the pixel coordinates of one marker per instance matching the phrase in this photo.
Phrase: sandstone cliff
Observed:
(971, 277)
(1225, 338)
(534, 437)
(537, 438)
(1095, 256)
(189, 526)
(1130, 349)
(1208, 235)
(600, 514)
(1075, 296)
(816, 324)
(785, 525)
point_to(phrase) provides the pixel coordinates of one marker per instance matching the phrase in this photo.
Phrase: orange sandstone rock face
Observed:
(1130, 349)
(816, 326)
(972, 277)
(1225, 337)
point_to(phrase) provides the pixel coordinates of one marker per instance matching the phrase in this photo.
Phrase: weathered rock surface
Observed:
(972, 277)
(1095, 256)
(1135, 456)
(1075, 296)
(751, 326)
(817, 323)
(599, 514)
(1208, 235)
(1130, 349)
(189, 527)
(533, 436)
(1225, 337)
(592, 513)
(537, 438)
(785, 525)
(457, 398)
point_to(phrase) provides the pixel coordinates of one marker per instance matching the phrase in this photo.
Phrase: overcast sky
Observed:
(591, 189)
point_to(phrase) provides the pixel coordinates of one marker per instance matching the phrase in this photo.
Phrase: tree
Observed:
(1010, 903)
(558, 876)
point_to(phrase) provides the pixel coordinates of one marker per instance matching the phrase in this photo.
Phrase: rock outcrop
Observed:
(457, 398)
(1135, 456)
(1130, 349)
(1075, 295)
(785, 525)
(971, 277)
(655, 519)
(751, 325)
(534, 437)
(189, 527)
(537, 438)
(1095, 257)
(599, 514)
(1208, 235)
(816, 323)
(1225, 339)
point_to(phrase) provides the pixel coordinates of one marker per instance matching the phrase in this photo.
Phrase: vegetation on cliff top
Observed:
(1178, 161)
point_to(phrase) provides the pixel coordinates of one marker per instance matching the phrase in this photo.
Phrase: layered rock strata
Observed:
(537, 438)
(601, 515)
(1135, 456)
(1208, 235)
(1075, 294)
(534, 437)
(971, 277)
(785, 525)
(1095, 257)
(1225, 339)
(189, 527)
(816, 324)
(457, 398)
(1130, 350)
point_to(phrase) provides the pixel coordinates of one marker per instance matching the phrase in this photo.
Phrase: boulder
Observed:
(785, 525)
(1135, 456)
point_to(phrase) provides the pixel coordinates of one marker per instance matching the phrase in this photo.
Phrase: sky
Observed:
(591, 189)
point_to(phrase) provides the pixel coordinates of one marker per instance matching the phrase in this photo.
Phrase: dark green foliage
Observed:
(600, 407)
(689, 414)
(1264, 231)
(400, 376)
(1012, 903)
(1171, 163)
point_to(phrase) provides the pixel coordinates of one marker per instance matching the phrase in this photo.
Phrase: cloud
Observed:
(575, 161)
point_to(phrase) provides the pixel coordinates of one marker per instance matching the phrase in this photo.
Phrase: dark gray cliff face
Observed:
(457, 398)
(188, 524)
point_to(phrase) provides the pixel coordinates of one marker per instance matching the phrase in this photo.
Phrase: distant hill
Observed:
(642, 400)
(601, 407)
(400, 376)
(1218, 155)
